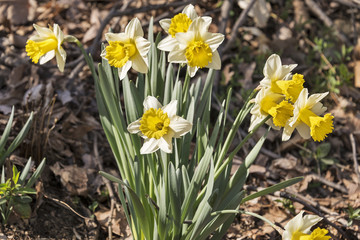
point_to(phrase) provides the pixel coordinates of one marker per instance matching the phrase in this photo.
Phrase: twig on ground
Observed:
(356, 165)
(64, 204)
(239, 22)
(329, 183)
(348, 3)
(312, 206)
(108, 186)
(315, 8)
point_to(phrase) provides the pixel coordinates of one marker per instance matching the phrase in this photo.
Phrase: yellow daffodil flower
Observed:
(269, 103)
(275, 71)
(307, 118)
(291, 88)
(158, 125)
(179, 23)
(197, 47)
(128, 49)
(299, 227)
(46, 45)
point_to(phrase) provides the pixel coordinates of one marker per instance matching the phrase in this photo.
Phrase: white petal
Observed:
(168, 44)
(189, 10)
(192, 70)
(122, 37)
(199, 26)
(124, 69)
(214, 40)
(142, 45)
(180, 126)
(151, 102)
(150, 145)
(302, 100)
(207, 20)
(47, 57)
(315, 98)
(304, 130)
(43, 31)
(134, 29)
(165, 142)
(165, 24)
(134, 127)
(287, 132)
(177, 56)
(170, 108)
(309, 221)
(294, 224)
(184, 39)
(58, 34)
(216, 61)
(272, 64)
(60, 60)
(139, 63)
(318, 109)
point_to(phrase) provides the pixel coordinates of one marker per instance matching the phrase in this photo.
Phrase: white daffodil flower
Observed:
(128, 49)
(179, 23)
(273, 104)
(299, 227)
(158, 125)
(197, 47)
(307, 120)
(46, 45)
(275, 71)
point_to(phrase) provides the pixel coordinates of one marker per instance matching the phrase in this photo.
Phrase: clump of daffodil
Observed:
(197, 47)
(273, 104)
(299, 228)
(46, 45)
(128, 49)
(158, 125)
(307, 119)
(179, 23)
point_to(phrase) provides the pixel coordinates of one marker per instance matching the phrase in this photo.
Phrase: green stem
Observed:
(186, 90)
(239, 118)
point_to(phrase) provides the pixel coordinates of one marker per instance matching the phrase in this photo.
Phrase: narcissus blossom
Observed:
(299, 227)
(291, 88)
(46, 45)
(128, 49)
(307, 120)
(179, 23)
(197, 47)
(269, 103)
(275, 71)
(158, 125)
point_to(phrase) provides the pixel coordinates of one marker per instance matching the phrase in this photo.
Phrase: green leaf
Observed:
(273, 189)
(25, 171)
(6, 132)
(323, 150)
(23, 209)
(2, 201)
(19, 138)
(138, 206)
(36, 174)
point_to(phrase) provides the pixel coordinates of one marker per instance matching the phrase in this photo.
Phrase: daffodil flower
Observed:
(273, 104)
(307, 120)
(275, 71)
(46, 45)
(158, 125)
(179, 23)
(128, 49)
(299, 227)
(197, 47)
